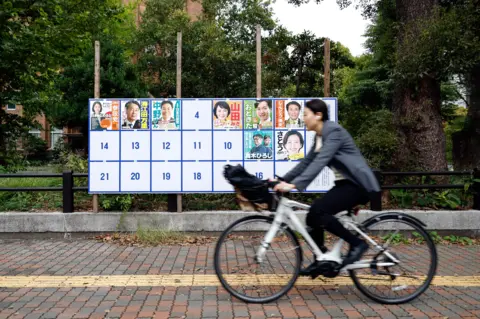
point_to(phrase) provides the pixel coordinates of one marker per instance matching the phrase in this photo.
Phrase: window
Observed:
(11, 107)
(35, 133)
(56, 135)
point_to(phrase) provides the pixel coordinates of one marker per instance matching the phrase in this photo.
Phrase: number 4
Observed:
(196, 115)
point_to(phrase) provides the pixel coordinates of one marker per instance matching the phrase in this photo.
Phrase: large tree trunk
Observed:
(417, 107)
(466, 143)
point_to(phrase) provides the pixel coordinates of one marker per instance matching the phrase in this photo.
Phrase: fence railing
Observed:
(68, 188)
(376, 203)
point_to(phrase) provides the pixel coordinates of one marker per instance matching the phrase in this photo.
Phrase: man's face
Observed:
(293, 111)
(267, 141)
(257, 140)
(132, 112)
(166, 111)
(263, 112)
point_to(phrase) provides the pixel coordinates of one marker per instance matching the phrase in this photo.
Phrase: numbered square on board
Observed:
(196, 114)
(104, 146)
(135, 176)
(227, 145)
(135, 146)
(282, 168)
(197, 176)
(197, 145)
(220, 184)
(289, 114)
(310, 140)
(166, 114)
(104, 177)
(258, 145)
(227, 114)
(289, 145)
(104, 115)
(135, 114)
(263, 170)
(166, 146)
(166, 176)
(323, 182)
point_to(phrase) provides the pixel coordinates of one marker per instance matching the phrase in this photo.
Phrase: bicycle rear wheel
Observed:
(239, 272)
(406, 240)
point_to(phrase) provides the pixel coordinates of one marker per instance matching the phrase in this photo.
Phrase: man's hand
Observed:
(283, 187)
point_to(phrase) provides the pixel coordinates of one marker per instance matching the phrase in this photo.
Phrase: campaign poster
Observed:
(166, 114)
(104, 115)
(258, 114)
(289, 114)
(227, 114)
(144, 115)
(258, 145)
(289, 145)
(131, 111)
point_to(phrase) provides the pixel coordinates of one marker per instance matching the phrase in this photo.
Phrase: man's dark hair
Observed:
(259, 135)
(269, 103)
(131, 102)
(290, 133)
(294, 103)
(317, 105)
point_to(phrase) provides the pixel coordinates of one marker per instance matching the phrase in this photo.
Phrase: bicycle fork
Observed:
(267, 239)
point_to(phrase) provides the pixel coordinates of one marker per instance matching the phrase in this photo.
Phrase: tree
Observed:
(37, 39)
(118, 78)
(416, 100)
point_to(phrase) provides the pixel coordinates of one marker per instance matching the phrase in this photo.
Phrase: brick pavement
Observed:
(89, 258)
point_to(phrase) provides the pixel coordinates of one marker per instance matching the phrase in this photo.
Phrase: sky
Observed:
(346, 26)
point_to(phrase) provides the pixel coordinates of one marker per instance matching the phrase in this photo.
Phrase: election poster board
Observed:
(145, 145)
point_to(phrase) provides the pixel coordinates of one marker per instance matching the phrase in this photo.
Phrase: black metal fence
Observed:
(376, 203)
(68, 188)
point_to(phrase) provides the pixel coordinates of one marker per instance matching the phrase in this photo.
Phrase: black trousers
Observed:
(343, 196)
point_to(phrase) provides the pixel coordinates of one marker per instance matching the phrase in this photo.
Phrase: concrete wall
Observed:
(201, 221)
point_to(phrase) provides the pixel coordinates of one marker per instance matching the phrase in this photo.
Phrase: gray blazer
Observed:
(338, 151)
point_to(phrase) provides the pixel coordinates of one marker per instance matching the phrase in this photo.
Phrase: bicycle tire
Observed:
(428, 241)
(285, 289)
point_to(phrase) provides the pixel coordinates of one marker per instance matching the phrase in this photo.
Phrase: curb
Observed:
(197, 221)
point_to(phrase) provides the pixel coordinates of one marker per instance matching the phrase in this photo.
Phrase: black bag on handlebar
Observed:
(252, 192)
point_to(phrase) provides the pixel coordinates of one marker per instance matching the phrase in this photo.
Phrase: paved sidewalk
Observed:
(87, 279)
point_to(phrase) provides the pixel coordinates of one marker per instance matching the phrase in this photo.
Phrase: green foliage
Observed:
(447, 45)
(116, 202)
(119, 78)
(14, 129)
(427, 198)
(377, 140)
(154, 235)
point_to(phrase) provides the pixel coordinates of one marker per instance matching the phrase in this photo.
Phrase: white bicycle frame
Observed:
(285, 214)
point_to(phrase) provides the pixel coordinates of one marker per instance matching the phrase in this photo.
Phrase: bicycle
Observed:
(282, 219)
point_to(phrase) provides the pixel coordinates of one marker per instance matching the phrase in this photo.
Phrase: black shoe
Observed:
(307, 271)
(355, 253)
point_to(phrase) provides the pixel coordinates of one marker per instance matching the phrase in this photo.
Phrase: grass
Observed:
(38, 201)
(155, 236)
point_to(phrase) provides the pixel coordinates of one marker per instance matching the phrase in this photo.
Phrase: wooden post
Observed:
(97, 96)
(259, 62)
(179, 95)
(175, 202)
(326, 78)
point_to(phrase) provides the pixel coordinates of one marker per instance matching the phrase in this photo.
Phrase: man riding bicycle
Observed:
(355, 182)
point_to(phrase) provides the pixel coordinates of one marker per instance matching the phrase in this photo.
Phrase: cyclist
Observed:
(355, 182)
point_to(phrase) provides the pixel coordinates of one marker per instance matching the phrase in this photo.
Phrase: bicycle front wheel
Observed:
(239, 271)
(404, 239)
